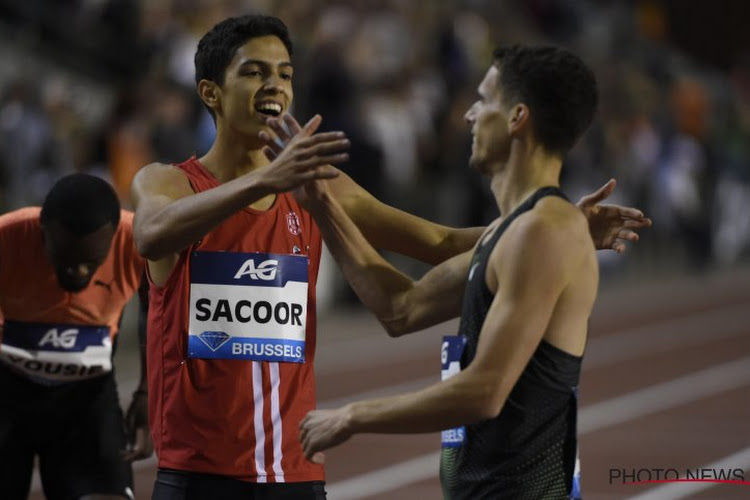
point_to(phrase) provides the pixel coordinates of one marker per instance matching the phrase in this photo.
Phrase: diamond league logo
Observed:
(214, 340)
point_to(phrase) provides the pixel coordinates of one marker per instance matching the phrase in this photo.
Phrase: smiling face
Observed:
(489, 125)
(257, 84)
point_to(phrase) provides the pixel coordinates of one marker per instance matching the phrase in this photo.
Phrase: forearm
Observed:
(186, 220)
(459, 241)
(388, 228)
(440, 406)
(379, 286)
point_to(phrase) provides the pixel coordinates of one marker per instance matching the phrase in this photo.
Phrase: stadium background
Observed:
(106, 86)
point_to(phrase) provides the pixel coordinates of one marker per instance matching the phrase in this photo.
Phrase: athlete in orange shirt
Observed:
(67, 271)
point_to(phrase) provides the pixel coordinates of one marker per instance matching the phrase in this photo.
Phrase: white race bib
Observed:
(56, 353)
(250, 306)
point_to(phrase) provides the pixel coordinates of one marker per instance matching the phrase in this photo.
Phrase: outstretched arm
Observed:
(389, 228)
(385, 227)
(401, 304)
(170, 216)
(535, 269)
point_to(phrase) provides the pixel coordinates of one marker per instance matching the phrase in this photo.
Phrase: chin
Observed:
(477, 164)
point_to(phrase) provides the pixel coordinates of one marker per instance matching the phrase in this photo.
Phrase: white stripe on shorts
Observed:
(276, 422)
(260, 436)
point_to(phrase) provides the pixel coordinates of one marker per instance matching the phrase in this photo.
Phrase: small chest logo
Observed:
(292, 223)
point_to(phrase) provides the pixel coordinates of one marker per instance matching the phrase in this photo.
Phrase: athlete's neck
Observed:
(525, 172)
(229, 159)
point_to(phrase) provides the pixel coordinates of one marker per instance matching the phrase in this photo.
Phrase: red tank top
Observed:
(231, 415)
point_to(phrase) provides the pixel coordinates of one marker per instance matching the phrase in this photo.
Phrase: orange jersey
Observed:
(231, 345)
(31, 298)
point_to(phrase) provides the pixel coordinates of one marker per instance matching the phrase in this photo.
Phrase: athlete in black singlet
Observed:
(507, 403)
(538, 420)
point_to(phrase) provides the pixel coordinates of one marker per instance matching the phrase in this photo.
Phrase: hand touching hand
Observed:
(285, 129)
(299, 155)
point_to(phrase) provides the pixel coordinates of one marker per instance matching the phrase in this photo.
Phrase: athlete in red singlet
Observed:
(67, 271)
(233, 263)
(265, 302)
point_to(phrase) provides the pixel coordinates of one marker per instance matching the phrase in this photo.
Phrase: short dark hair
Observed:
(556, 85)
(82, 203)
(217, 47)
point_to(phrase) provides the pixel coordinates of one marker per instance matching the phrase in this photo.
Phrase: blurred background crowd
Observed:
(106, 86)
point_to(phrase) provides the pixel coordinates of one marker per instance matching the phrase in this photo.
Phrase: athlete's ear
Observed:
(518, 118)
(209, 93)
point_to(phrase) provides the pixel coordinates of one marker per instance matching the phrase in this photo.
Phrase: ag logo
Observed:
(265, 271)
(65, 339)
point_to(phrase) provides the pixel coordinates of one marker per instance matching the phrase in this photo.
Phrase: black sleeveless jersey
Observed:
(529, 450)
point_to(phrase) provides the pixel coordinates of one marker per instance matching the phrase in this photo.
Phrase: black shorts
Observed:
(77, 431)
(182, 485)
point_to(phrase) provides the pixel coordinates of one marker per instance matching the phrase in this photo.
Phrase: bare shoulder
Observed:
(160, 179)
(554, 225)
(157, 173)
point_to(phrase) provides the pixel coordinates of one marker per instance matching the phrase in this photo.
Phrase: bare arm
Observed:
(538, 262)
(170, 216)
(389, 228)
(385, 227)
(401, 304)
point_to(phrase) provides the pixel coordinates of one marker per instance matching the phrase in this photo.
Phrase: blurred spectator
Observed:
(32, 158)
(397, 76)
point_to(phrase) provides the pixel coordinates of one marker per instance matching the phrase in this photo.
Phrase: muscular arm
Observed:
(401, 304)
(389, 228)
(539, 260)
(170, 216)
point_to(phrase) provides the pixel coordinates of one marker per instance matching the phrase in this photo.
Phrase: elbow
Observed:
(486, 403)
(396, 326)
(148, 246)
(393, 331)
(488, 409)
(147, 250)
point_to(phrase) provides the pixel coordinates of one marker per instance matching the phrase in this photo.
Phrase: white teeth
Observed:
(269, 106)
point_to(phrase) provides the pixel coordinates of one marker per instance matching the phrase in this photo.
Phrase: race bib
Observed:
(250, 306)
(450, 358)
(56, 353)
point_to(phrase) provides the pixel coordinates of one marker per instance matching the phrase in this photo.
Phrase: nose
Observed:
(273, 83)
(469, 116)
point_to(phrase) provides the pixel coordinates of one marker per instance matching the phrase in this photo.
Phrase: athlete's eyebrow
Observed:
(259, 62)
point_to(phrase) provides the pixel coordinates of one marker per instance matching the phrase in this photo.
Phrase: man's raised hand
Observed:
(299, 155)
(611, 225)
